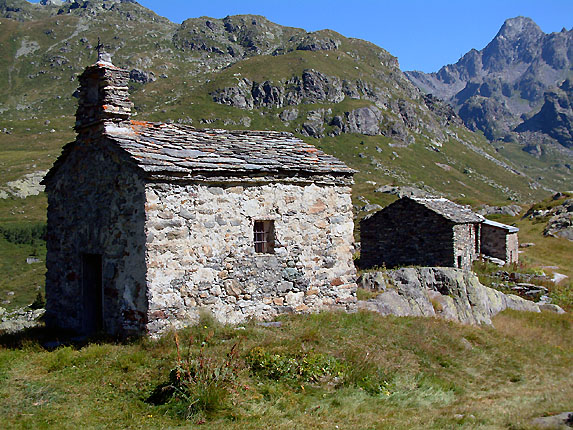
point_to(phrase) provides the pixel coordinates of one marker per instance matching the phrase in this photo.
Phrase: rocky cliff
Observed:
(555, 118)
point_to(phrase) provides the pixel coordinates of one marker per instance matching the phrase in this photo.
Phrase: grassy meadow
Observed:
(324, 371)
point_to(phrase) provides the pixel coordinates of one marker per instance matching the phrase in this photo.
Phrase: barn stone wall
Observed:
(96, 206)
(406, 233)
(499, 243)
(466, 245)
(512, 247)
(201, 256)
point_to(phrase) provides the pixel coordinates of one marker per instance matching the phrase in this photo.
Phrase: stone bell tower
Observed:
(103, 94)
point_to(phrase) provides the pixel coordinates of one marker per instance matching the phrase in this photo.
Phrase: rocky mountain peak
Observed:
(499, 87)
(53, 2)
(516, 28)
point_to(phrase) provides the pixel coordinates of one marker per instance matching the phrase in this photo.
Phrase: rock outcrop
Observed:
(19, 319)
(397, 119)
(555, 118)
(452, 294)
(27, 185)
(559, 217)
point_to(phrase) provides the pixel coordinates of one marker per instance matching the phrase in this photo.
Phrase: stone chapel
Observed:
(150, 224)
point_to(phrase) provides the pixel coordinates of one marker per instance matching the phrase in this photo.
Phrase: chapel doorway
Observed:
(92, 292)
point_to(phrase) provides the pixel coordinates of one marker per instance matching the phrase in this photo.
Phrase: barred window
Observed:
(264, 235)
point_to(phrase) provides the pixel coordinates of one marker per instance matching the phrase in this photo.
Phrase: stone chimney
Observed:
(103, 94)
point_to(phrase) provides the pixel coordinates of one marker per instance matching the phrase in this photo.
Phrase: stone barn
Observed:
(150, 224)
(500, 241)
(420, 232)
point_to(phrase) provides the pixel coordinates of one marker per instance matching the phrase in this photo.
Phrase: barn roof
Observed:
(509, 228)
(452, 211)
(164, 149)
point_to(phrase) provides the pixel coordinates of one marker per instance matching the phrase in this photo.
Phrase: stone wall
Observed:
(466, 245)
(406, 233)
(201, 256)
(96, 206)
(499, 243)
(512, 247)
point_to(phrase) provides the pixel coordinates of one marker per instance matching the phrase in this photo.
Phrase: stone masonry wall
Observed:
(201, 254)
(512, 247)
(96, 206)
(466, 245)
(498, 243)
(406, 233)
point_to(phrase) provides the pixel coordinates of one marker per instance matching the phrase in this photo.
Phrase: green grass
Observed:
(400, 373)
(549, 168)
(20, 281)
(24, 280)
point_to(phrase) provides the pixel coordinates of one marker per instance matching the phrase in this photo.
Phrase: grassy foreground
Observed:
(331, 370)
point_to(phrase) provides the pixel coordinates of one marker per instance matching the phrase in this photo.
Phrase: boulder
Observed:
(141, 76)
(19, 319)
(314, 125)
(448, 293)
(555, 422)
(289, 114)
(560, 226)
(511, 210)
(550, 307)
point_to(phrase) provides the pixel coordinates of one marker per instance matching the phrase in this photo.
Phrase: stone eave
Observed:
(508, 228)
(259, 178)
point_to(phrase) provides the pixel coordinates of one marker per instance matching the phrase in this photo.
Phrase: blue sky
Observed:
(423, 34)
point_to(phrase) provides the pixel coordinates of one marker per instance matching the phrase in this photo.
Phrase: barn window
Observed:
(264, 234)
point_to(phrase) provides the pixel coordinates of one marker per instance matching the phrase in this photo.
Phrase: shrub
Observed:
(198, 383)
(39, 302)
(308, 367)
(27, 234)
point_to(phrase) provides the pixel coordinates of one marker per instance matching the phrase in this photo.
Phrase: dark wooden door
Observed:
(92, 293)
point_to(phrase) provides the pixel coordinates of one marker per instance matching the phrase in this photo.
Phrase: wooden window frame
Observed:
(264, 236)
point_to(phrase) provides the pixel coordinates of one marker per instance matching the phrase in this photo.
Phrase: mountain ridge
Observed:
(496, 88)
(346, 96)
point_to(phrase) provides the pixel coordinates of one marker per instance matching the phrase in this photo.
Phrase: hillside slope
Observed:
(345, 95)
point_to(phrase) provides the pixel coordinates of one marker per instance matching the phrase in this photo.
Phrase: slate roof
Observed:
(161, 149)
(452, 211)
(509, 228)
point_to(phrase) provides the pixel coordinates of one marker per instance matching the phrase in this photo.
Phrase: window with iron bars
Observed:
(264, 235)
